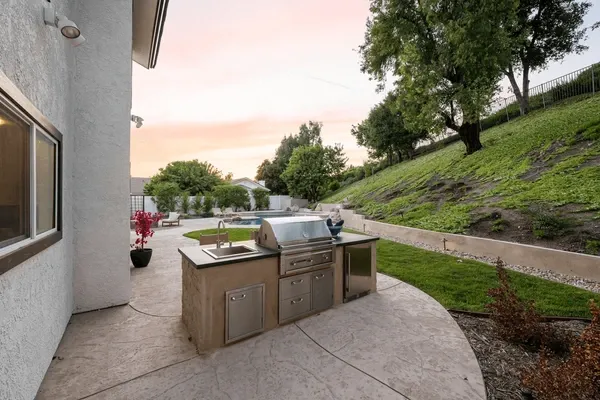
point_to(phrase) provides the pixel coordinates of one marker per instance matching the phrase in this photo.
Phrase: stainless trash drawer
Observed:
(322, 289)
(244, 312)
(294, 286)
(294, 307)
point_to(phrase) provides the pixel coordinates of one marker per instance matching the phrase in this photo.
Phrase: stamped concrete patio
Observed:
(398, 343)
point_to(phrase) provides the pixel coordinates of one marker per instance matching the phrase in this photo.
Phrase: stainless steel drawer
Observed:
(299, 261)
(294, 286)
(294, 307)
(244, 312)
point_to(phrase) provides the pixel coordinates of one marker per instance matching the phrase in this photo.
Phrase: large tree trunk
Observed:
(522, 96)
(469, 134)
(525, 102)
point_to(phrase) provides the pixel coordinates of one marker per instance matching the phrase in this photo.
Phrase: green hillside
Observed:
(536, 181)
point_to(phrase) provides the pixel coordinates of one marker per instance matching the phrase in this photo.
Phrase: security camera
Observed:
(138, 121)
(67, 27)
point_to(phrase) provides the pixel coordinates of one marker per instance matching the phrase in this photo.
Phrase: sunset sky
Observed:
(233, 77)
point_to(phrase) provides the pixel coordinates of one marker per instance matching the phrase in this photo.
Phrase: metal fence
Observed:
(136, 203)
(583, 82)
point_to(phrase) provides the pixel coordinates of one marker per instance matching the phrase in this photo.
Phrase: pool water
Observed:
(248, 221)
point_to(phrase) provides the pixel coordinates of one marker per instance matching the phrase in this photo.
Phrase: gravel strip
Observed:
(582, 283)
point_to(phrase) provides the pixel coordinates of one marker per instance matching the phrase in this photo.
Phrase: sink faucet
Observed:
(219, 241)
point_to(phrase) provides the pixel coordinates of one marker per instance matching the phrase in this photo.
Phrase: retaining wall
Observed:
(564, 262)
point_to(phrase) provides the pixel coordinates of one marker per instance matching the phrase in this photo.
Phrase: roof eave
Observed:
(148, 23)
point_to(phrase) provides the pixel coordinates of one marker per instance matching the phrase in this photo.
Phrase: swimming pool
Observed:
(248, 221)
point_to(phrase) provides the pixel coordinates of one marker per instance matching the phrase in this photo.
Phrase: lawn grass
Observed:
(460, 285)
(404, 194)
(235, 234)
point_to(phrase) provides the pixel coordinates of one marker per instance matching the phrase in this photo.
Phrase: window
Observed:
(29, 184)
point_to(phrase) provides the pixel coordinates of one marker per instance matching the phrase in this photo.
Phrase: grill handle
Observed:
(302, 261)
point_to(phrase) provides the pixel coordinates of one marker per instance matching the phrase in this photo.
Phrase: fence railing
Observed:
(583, 82)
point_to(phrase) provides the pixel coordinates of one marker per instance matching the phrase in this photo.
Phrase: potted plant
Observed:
(140, 256)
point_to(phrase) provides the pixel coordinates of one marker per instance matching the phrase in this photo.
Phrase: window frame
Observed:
(16, 253)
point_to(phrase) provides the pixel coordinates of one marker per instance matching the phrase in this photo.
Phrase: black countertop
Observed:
(347, 238)
(200, 259)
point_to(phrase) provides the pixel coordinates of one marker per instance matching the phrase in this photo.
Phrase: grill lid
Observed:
(276, 232)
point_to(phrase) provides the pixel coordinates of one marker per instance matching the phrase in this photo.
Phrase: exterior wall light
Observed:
(67, 27)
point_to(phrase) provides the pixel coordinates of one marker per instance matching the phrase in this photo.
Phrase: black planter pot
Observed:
(140, 258)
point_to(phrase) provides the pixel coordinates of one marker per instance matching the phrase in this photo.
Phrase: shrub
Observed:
(209, 203)
(261, 198)
(515, 320)
(592, 247)
(143, 227)
(165, 195)
(197, 205)
(231, 196)
(184, 203)
(548, 226)
(575, 378)
(498, 225)
(334, 185)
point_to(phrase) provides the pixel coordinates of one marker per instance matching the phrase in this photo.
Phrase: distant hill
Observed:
(536, 181)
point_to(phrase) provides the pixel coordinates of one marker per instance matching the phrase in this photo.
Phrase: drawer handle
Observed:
(242, 297)
(297, 282)
(300, 300)
(325, 257)
(319, 276)
(301, 261)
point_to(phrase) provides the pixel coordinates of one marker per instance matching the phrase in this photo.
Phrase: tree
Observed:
(184, 202)
(197, 205)
(543, 31)
(446, 56)
(193, 177)
(231, 196)
(270, 172)
(384, 134)
(310, 170)
(208, 204)
(165, 196)
(261, 198)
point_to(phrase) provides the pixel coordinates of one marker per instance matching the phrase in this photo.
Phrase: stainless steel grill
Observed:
(305, 243)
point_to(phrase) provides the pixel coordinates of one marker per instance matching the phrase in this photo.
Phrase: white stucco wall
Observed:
(36, 297)
(102, 110)
(86, 93)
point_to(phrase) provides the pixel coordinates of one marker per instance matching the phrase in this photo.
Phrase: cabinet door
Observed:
(322, 289)
(244, 312)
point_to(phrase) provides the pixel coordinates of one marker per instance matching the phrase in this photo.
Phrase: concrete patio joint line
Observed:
(347, 363)
(136, 377)
(153, 315)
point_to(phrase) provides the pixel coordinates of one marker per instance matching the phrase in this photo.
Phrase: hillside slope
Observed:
(536, 181)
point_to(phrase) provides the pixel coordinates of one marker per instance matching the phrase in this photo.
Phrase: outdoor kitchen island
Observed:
(292, 270)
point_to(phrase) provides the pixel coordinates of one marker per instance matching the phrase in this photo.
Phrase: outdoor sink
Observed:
(227, 251)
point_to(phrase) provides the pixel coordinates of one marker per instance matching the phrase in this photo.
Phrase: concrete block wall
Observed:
(564, 262)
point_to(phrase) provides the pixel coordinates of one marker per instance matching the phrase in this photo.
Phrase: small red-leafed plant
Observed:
(575, 378)
(143, 227)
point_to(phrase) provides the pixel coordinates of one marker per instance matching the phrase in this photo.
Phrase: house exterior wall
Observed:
(86, 93)
(36, 297)
(102, 109)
